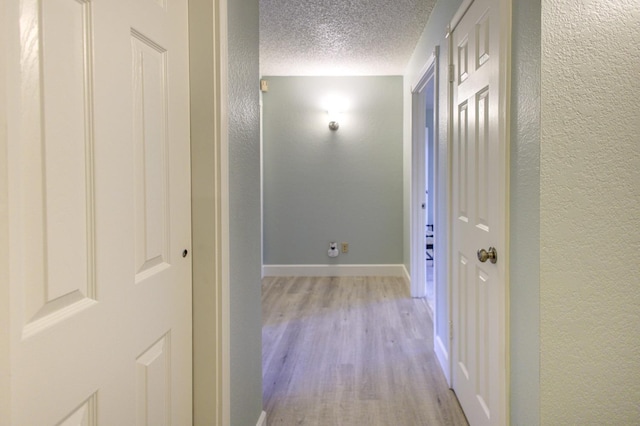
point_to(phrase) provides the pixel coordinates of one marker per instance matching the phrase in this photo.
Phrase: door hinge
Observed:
(450, 330)
(452, 73)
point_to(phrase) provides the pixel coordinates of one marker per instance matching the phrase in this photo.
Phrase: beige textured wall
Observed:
(590, 212)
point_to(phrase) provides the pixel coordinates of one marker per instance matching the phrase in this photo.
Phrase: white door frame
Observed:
(503, 131)
(5, 390)
(431, 71)
(428, 73)
(210, 224)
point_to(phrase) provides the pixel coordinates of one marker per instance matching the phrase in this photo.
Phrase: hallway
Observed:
(350, 351)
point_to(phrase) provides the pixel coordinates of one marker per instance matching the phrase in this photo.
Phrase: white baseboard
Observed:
(262, 421)
(406, 275)
(443, 357)
(333, 270)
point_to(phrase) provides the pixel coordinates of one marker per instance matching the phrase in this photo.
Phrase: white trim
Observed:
(407, 278)
(212, 329)
(260, 93)
(406, 275)
(9, 19)
(223, 327)
(416, 216)
(505, 7)
(443, 357)
(423, 75)
(334, 270)
(262, 421)
(212, 401)
(448, 372)
(224, 351)
(466, 4)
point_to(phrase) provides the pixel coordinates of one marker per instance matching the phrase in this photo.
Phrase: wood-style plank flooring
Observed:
(350, 351)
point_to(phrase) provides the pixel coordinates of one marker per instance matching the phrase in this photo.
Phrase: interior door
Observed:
(99, 212)
(479, 217)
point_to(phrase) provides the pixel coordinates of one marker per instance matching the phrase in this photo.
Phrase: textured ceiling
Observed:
(333, 37)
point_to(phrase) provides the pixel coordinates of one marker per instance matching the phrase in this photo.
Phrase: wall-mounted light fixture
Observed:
(335, 106)
(334, 119)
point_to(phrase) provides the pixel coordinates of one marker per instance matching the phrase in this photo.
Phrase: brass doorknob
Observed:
(491, 255)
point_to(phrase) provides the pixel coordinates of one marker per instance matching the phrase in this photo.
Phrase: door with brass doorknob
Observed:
(479, 221)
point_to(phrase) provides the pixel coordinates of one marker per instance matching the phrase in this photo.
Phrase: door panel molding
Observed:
(73, 321)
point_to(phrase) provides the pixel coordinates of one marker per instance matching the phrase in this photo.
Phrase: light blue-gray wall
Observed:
(322, 185)
(244, 213)
(524, 270)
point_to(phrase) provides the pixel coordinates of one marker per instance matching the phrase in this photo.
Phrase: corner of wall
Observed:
(524, 273)
(243, 173)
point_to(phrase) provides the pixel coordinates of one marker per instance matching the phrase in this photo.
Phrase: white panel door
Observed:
(479, 217)
(99, 212)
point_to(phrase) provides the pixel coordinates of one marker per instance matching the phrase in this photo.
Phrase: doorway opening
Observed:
(423, 158)
(428, 210)
(428, 229)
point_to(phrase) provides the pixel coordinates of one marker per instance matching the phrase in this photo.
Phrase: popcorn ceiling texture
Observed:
(590, 213)
(338, 37)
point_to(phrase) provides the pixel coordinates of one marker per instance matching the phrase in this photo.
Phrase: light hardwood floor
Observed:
(350, 351)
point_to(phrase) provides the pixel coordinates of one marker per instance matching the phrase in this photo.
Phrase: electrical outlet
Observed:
(333, 249)
(345, 247)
